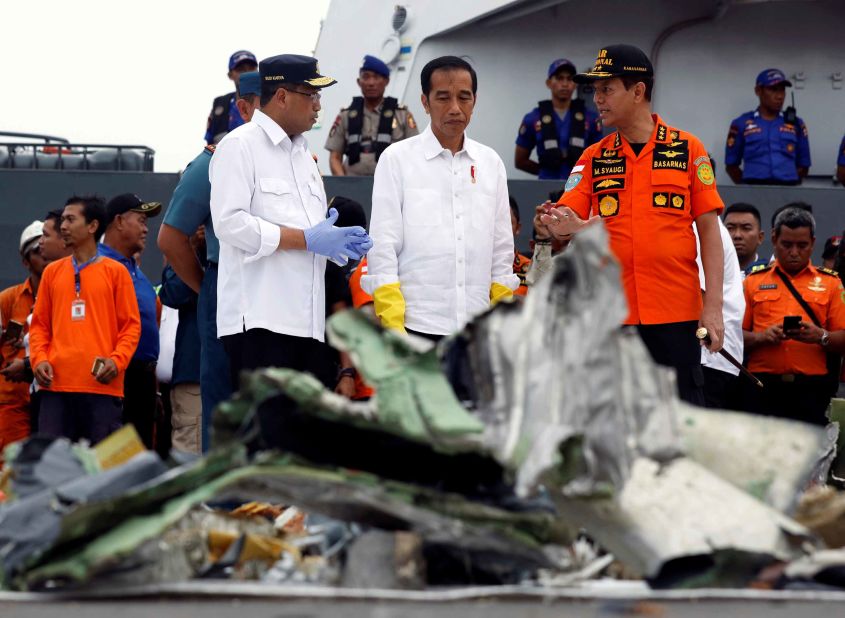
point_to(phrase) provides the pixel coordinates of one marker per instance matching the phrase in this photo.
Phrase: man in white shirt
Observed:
(268, 207)
(719, 375)
(442, 240)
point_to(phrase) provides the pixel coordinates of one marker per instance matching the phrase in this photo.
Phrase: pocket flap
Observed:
(276, 186)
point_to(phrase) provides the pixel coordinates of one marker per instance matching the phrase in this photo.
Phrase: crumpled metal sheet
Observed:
(671, 520)
(773, 459)
(556, 374)
(512, 540)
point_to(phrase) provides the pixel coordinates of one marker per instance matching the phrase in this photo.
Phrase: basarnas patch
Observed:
(572, 182)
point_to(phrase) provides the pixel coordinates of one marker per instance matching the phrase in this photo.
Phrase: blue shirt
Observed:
(531, 136)
(190, 205)
(841, 159)
(145, 293)
(767, 149)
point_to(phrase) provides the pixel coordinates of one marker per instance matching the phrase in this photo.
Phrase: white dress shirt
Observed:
(262, 179)
(441, 228)
(733, 304)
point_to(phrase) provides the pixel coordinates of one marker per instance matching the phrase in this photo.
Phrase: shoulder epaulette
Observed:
(760, 268)
(827, 271)
(209, 148)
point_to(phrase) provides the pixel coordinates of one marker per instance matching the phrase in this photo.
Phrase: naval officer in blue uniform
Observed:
(771, 146)
(559, 128)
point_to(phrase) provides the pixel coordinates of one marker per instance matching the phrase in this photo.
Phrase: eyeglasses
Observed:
(314, 96)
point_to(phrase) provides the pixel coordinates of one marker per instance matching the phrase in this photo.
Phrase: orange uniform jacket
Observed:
(15, 304)
(111, 328)
(521, 264)
(648, 203)
(767, 301)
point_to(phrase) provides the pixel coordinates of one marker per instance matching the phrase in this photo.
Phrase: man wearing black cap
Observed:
(649, 183)
(364, 129)
(268, 207)
(771, 145)
(224, 114)
(559, 128)
(125, 238)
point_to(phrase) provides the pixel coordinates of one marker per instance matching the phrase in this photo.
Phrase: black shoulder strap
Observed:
(552, 155)
(577, 131)
(798, 297)
(385, 125)
(354, 126)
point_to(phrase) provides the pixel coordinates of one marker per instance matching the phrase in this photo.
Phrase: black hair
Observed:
(514, 208)
(448, 63)
(268, 91)
(800, 205)
(794, 217)
(56, 217)
(93, 209)
(742, 207)
(629, 81)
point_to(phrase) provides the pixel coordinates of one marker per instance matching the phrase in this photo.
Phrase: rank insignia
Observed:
(609, 205)
(607, 152)
(617, 141)
(661, 133)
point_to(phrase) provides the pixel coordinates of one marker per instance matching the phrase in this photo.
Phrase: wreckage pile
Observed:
(496, 457)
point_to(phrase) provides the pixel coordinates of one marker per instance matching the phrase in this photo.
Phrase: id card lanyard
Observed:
(77, 307)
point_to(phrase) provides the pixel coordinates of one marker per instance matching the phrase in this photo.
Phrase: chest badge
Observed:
(816, 285)
(609, 205)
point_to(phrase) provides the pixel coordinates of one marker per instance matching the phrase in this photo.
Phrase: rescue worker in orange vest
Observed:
(794, 319)
(16, 304)
(521, 263)
(648, 182)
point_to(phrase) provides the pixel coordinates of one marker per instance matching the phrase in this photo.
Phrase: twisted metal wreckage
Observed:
(564, 426)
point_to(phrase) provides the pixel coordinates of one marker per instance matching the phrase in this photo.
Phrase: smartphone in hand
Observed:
(791, 322)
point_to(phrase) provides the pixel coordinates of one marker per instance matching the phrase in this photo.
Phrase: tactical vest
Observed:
(220, 121)
(553, 156)
(355, 125)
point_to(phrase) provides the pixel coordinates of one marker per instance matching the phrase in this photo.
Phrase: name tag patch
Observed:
(674, 155)
(609, 167)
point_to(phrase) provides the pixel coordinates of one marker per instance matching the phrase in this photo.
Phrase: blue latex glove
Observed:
(339, 244)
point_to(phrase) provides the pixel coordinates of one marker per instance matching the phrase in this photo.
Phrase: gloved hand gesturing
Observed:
(339, 244)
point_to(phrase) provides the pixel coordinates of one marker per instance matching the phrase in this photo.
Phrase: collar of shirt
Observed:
(109, 252)
(433, 148)
(276, 133)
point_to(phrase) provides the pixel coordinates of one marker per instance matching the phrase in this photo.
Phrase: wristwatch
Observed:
(825, 339)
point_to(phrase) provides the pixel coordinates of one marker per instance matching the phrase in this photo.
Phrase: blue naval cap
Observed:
(772, 77)
(561, 63)
(249, 83)
(371, 63)
(239, 56)
(293, 69)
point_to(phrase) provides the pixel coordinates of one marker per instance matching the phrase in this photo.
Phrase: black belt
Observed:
(139, 365)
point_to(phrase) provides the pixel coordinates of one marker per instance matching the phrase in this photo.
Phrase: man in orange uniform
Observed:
(792, 362)
(85, 329)
(521, 263)
(15, 306)
(649, 182)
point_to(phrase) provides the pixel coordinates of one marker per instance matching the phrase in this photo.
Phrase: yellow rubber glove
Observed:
(499, 292)
(390, 306)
